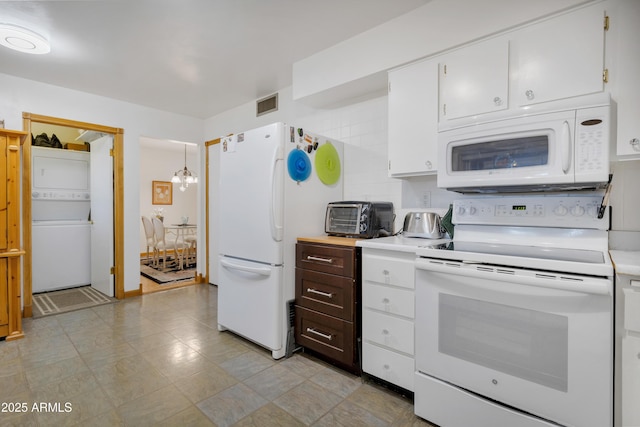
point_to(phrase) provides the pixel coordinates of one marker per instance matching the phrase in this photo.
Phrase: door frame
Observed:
(207, 204)
(118, 201)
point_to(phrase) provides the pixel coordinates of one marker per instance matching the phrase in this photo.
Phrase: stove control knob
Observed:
(461, 210)
(577, 211)
(560, 210)
(472, 210)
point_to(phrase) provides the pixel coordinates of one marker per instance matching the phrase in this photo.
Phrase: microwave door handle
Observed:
(566, 151)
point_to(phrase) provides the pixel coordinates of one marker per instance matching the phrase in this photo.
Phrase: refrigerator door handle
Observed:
(262, 271)
(277, 230)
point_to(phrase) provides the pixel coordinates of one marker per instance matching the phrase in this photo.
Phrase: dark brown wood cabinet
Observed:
(327, 305)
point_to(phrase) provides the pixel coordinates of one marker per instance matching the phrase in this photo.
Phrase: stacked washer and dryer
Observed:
(61, 210)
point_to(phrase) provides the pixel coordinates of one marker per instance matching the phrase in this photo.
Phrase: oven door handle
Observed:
(551, 280)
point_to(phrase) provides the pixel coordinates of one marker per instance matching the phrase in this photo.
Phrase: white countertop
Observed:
(626, 262)
(398, 243)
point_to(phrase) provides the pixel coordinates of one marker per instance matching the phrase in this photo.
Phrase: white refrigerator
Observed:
(275, 183)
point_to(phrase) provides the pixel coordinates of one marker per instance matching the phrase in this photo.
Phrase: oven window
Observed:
(528, 344)
(344, 219)
(502, 154)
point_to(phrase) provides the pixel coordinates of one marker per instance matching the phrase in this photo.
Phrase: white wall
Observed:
(20, 95)
(362, 126)
(625, 196)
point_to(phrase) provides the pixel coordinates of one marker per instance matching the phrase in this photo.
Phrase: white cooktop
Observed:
(399, 243)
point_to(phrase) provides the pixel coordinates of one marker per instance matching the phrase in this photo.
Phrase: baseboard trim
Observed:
(134, 293)
(27, 311)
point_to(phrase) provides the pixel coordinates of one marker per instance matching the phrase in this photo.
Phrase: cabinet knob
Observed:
(428, 164)
(635, 143)
(385, 272)
(385, 300)
(497, 100)
(385, 367)
(529, 94)
(385, 332)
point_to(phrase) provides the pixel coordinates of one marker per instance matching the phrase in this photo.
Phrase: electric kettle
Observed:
(427, 225)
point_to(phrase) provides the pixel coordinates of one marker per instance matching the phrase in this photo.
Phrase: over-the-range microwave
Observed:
(558, 146)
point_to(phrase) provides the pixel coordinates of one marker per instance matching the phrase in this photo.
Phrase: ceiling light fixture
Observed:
(23, 40)
(184, 177)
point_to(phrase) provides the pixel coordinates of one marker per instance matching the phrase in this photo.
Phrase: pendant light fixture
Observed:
(184, 177)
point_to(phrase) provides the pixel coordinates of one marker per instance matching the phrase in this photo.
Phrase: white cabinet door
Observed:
(630, 381)
(558, 58)
(475, 80)
(413, 119)
(623, 62)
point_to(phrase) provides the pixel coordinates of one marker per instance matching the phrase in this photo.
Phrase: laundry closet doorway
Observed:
(106, 193)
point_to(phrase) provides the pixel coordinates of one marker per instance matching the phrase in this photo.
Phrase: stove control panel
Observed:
(579, 211)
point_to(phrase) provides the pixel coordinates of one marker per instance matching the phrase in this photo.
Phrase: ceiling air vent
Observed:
(267, 105)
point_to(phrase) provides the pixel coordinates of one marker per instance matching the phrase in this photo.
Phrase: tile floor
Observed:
(158, 360)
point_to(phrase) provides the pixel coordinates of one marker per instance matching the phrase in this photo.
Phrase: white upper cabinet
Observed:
(623, 62)
(475, 80)
(413, 119)
(558, 58)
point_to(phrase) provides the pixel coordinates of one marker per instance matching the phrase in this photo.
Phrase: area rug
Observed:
(169, 275)
(66, 300)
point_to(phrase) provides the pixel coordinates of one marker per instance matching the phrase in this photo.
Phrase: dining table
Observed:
(180, 231)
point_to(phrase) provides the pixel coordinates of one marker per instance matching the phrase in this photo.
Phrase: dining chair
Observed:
(191, 241)
(162, 245)
(150, 236)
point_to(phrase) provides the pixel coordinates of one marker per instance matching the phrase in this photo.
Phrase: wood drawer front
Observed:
(325, 334)
(388, 271)
(397, 301)
(393, 367)
(326, 259)
(388, 331)
(326, 293)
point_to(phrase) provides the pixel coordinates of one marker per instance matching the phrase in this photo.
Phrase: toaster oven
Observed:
(359, 219)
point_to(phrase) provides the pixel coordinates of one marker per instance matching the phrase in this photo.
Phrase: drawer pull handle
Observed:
(385, 332)
(320, 334)
(385, 300)
(324, 294)
(385, 272)
(317, 258)
(386, 367)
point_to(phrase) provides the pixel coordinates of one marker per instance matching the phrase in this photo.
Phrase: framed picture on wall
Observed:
(162, 193)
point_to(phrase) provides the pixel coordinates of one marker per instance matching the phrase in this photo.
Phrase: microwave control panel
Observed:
(592, 143)
(531, 211)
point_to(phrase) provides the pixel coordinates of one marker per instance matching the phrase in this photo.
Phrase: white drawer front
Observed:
(388, 331)
(390, 271)
(393, 367)
(390, 300)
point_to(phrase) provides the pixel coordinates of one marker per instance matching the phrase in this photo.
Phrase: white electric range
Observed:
(514, 317)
